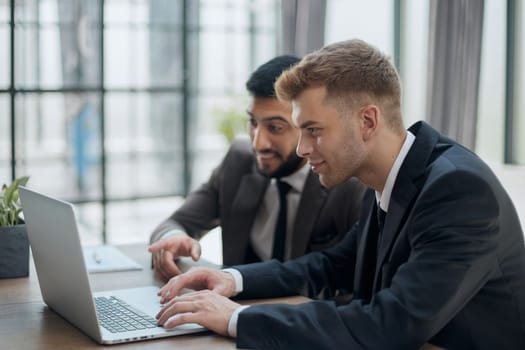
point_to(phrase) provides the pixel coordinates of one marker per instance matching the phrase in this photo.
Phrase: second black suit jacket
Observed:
(450, 268)
(232, 196)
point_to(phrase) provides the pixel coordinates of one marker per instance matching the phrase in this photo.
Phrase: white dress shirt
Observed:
(261, 235)
(384, 198)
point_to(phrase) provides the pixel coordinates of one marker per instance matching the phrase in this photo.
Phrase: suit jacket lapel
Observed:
(312, 199)
(366, 250)
(405, 189)
(242, 215)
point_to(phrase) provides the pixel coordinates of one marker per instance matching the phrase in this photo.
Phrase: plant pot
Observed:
(14, 252)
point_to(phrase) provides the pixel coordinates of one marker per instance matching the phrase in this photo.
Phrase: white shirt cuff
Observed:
(237, 277)
(172, 232)
(232, 325)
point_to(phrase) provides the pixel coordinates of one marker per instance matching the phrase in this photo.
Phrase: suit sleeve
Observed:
(308, 275)
(199, 213)
(451, 230)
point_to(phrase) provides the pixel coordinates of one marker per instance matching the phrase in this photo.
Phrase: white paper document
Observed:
(107, 258)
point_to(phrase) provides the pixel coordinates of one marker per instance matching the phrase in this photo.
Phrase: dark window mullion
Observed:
(397, 34)
(185, 99)
(103, 169)
(509, 156)
(12, 90)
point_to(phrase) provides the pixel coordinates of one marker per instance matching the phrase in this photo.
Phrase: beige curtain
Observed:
(454, 67)
(303, 26)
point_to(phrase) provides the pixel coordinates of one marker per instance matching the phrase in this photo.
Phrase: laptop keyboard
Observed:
(117, 316)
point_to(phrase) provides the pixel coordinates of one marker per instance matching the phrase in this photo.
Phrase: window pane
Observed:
(58, 144)
(4, 11)
(5, 61)
(159, 12)
(229, 69)
(222, 14)
(491, 105)
(165, 58)
(143, 47)
(5, 140)
(208, 144)
(165, 44)
(57, 44)
(139, 58)
(89, 219)
(264, 50)
(347, 19)
(414, 62)
(124, 12)
(143, 144)
(266, 14)
(133, 221)
(167, 14)
(126, 57)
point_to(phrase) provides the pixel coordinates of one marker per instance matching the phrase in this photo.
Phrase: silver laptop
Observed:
(108, 317)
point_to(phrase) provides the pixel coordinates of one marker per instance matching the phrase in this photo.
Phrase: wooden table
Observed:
(26, 323)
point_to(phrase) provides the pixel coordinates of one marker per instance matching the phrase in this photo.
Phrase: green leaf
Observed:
(10, 208)
(8, 195)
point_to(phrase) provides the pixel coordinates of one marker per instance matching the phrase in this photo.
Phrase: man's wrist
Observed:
(237, 279)
(232, 324)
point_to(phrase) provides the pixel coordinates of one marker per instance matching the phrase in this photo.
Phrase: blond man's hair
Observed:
(354, 73)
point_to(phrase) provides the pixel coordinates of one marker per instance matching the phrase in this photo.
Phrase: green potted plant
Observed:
(14, 244)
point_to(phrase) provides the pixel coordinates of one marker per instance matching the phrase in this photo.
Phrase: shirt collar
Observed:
(297, 179)
(384, 198)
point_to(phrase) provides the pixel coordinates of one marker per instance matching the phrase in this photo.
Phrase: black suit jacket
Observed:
(232, 197)
(451, 267)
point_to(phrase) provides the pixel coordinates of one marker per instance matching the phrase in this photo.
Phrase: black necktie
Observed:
(380, 219)
(279, 237)
(373, 245)
(381, 214)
